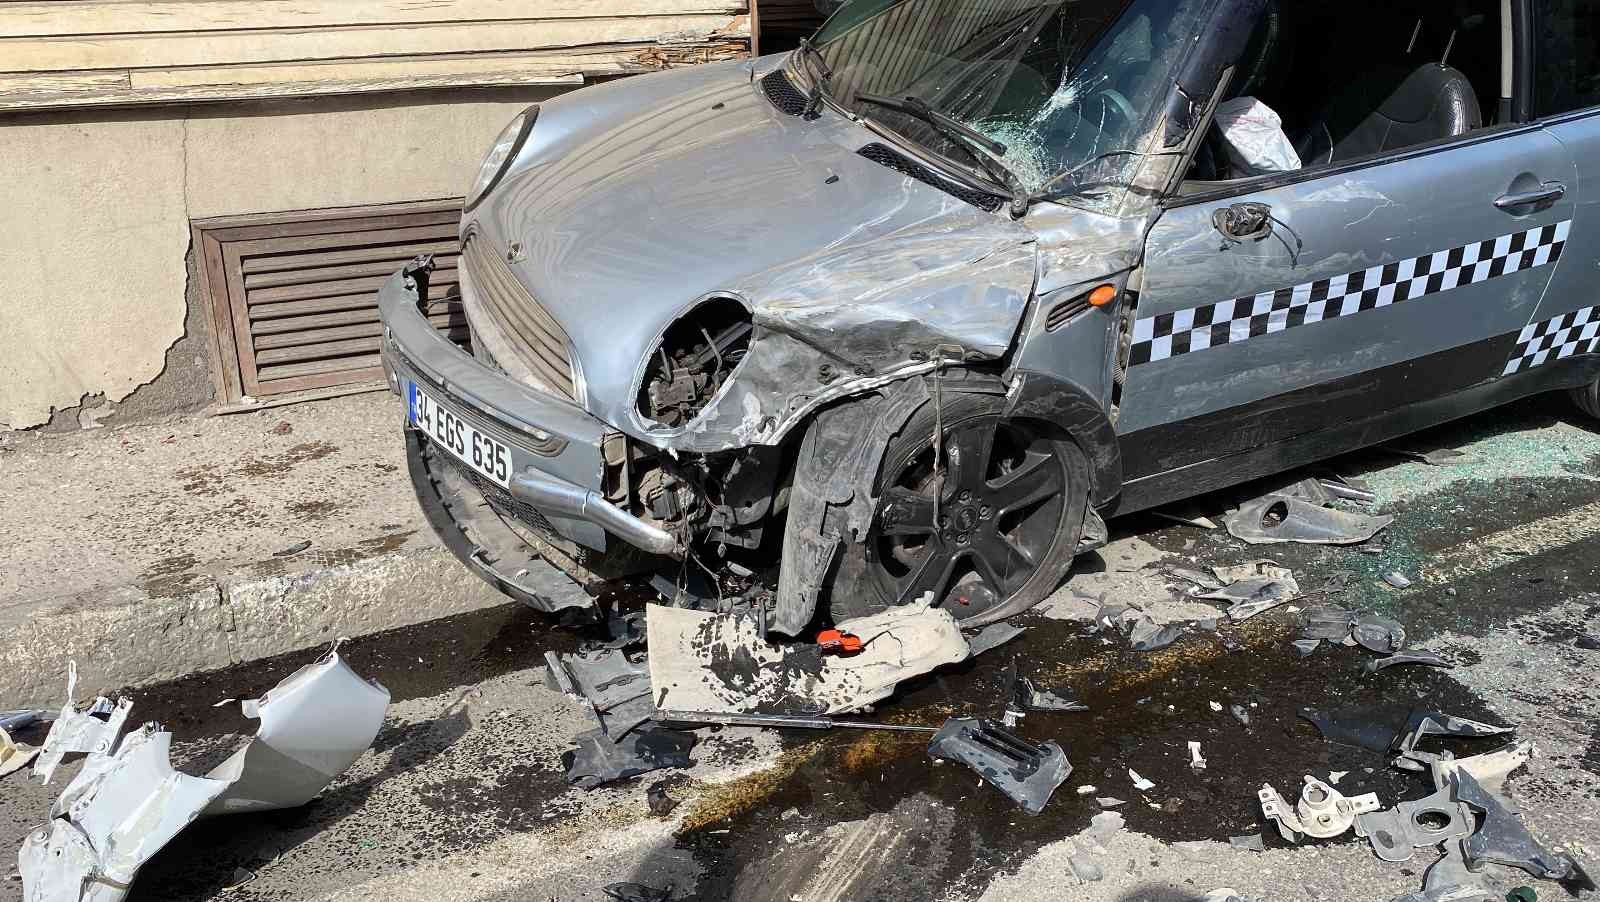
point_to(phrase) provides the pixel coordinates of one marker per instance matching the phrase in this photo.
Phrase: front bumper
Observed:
(557, 464)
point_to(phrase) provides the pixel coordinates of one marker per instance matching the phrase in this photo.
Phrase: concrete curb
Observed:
(128, 636)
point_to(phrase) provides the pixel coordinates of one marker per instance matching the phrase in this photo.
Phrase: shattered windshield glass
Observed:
(1067, 88)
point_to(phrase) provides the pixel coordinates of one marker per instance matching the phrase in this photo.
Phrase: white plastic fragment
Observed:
(1335, 776)
(1216, 707)
(14, 756)
(1087, 790)
(700, 661)
(122, 807)
(1322, 811)
(92, 730)
(1195, 760)
(1139, 783)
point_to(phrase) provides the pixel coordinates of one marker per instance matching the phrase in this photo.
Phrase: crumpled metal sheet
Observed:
(1279, 518)
(122, 807)
(1028, 773)
(1253, 588)
(82, 731)
(719, 663)
(1502, 838)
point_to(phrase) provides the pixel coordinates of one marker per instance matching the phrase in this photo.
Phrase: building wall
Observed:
(123, 120)
(97, 280)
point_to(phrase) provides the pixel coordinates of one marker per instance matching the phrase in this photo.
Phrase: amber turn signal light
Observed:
(1102, 296)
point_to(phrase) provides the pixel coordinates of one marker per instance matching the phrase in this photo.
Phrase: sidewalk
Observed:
(148, 552)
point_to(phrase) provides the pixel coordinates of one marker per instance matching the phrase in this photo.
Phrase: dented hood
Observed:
(633, 201)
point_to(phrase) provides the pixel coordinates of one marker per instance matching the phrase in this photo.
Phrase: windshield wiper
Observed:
(820, 80)
(972, 142)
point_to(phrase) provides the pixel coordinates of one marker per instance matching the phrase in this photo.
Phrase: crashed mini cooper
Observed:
(911, 309)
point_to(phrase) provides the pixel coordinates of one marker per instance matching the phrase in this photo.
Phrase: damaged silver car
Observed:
(908, 311)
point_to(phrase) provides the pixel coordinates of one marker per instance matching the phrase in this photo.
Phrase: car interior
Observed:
(1356, 79)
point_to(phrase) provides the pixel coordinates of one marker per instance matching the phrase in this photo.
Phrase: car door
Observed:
(1564, 96)
(1382, 282)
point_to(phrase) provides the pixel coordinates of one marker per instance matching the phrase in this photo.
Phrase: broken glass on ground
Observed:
(1280, 518)
(1029, 697)
(123, 806)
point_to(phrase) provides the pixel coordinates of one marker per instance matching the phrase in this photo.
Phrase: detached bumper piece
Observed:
(1026, 772)
(124, 806)
(625, 742)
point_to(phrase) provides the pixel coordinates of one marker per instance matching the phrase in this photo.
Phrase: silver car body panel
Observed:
(556, 460)
(634, 201)
(1350, 226)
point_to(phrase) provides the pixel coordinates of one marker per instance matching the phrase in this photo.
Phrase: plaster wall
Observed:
(96, 222)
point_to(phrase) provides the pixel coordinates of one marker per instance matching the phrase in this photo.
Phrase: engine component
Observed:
(696, 356)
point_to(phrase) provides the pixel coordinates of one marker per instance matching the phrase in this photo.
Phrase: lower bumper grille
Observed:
(502, 500)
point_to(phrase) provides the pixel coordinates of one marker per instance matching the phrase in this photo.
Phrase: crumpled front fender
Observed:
(853, 318)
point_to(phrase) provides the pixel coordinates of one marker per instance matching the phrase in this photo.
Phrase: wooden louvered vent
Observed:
(293, 296)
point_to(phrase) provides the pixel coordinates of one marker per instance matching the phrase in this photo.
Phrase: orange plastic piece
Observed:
(839, 642)
(1102, 295)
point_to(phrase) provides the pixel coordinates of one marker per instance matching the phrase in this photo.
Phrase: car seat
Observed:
(1388, 108)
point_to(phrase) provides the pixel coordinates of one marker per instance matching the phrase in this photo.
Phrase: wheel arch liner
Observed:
(1068, 406)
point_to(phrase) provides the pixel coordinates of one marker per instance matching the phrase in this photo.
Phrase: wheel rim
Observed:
(996, 518)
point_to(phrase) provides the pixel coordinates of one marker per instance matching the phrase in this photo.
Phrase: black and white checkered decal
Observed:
(1561, 336)
(1232, 321)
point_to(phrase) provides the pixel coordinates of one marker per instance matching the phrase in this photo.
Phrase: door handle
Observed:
(1545, 193)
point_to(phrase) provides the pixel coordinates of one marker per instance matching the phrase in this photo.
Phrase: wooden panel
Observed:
(294, 302)
(207, 48)
(77, 17)
(85, 53)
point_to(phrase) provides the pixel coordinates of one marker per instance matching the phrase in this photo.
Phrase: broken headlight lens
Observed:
(506, 145)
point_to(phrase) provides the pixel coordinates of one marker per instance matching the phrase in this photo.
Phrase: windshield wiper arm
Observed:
(962, 136)
(820, 80)
(919, 108)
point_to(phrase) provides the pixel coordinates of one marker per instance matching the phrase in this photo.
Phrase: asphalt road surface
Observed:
(463, 795)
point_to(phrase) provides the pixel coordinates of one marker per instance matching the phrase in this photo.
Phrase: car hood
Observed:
(633, 201)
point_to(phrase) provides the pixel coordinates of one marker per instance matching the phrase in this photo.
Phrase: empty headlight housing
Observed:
(698, 353)
(505, 148)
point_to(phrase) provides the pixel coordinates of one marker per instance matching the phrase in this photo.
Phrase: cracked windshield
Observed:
(1061, 91)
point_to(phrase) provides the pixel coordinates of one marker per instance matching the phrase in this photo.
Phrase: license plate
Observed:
(452, 433)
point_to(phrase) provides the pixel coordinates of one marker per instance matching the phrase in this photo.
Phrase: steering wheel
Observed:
(1114, 99)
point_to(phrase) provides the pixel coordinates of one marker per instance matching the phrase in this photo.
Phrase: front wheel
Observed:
(989, 529)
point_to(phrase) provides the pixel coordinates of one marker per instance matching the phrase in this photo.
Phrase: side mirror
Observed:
(1220, 48)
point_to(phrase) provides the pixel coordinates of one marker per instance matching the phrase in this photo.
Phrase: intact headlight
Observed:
(506, 145)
